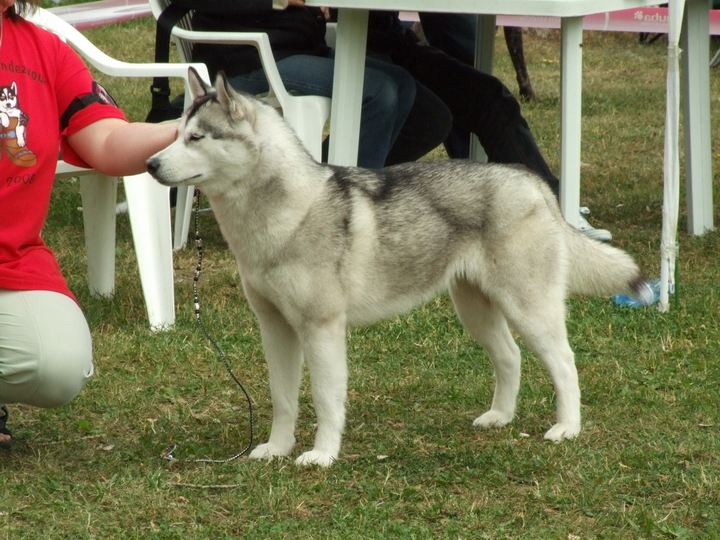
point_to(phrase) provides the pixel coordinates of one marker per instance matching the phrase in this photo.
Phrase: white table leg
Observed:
(570, 117)
(484, 52)
(348, 86)
(696, 110)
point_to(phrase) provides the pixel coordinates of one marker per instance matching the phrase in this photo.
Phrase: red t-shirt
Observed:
(40, 76)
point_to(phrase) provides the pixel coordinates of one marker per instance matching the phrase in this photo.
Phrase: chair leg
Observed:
(99, 196)
(307, 117)
(183, 212)
(149, 211)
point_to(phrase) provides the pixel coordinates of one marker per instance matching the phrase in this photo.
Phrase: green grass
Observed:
(646, 465)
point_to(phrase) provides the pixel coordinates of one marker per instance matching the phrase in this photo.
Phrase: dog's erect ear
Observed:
(233, 103)
(198, 88)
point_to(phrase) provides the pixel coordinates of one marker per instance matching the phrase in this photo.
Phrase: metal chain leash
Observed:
(168, 452)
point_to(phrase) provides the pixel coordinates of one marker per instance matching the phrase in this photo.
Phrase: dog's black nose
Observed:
(152, 164)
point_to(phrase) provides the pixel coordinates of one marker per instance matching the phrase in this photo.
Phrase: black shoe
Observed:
(3, 429)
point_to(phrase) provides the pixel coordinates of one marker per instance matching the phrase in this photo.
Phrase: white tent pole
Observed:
(671, 171)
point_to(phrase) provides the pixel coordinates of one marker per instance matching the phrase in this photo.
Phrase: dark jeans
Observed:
(388, 96)
(426, 127)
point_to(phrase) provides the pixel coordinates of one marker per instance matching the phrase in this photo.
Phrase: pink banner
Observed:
(648, 20)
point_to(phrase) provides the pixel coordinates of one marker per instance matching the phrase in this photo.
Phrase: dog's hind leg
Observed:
(284, 360)
(540, 322)
(486, 323)
(325, 350)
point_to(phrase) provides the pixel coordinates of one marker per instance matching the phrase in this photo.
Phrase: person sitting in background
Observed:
(45, 342)
(479, 103)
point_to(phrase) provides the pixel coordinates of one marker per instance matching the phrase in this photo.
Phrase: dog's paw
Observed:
(493, 419)
(560, 432)
(268, 451)
(316, 457)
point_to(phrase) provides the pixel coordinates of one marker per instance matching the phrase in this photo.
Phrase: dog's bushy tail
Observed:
(597, 268)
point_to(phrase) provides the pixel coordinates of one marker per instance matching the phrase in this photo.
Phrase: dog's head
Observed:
(8, 97)
(216, 143)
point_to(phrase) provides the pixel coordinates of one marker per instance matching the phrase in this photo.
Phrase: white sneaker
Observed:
(601, 235)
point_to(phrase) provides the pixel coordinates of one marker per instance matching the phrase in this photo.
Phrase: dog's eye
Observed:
(195, 137)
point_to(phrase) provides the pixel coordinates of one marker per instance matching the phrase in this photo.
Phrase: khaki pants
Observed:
(45, 348)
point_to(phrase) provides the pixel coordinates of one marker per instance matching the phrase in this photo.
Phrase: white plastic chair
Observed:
(306, 114)
(148, 201)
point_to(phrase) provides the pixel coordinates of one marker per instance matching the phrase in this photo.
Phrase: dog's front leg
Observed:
(325, 351)
(284, 359)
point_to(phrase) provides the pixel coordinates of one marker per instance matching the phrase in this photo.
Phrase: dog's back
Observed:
(406, 232)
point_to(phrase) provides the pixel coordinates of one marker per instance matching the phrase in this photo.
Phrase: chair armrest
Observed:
(258, 39)
(65, 169)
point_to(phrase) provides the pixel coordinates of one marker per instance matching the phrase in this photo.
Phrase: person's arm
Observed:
(118, 148)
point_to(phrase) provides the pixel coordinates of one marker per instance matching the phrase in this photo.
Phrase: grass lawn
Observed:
(646, 465)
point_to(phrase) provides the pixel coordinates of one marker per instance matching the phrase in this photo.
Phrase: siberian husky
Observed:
(321, 247)
(10, 108)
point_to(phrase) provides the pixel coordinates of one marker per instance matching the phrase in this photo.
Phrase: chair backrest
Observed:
(185, 37)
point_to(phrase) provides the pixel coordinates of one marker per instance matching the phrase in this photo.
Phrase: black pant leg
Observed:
(480, 104)
(426, 127)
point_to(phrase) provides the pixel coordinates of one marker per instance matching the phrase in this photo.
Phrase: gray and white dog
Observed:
(320, 247)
